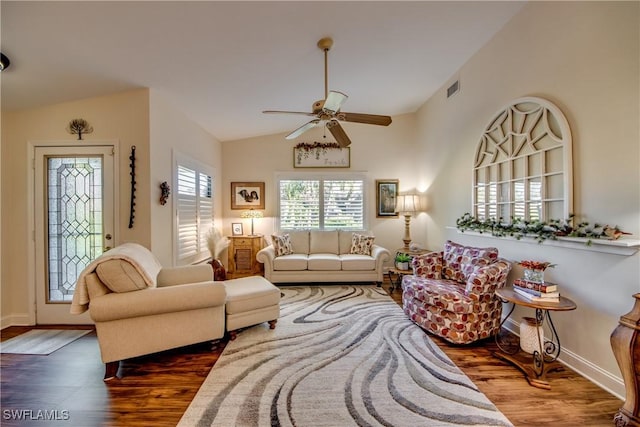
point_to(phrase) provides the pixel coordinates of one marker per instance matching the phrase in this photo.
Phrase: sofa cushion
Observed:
(323, 242)
(459, 261)
(282, 244)
(292, 262)
(361, 244)
(447, 295)
(299, 241)
(120, 276)
(329, 262)
(344, 241)
(355, 262)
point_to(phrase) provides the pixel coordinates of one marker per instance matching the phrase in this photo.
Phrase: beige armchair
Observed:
(140, 308)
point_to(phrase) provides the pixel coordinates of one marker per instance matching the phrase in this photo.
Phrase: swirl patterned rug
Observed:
(339, 356)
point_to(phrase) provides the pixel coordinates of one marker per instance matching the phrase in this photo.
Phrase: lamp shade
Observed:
(251, 214)
(406, 204)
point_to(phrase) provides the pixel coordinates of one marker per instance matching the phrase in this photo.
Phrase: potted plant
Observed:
(217, 243)
(402, 261)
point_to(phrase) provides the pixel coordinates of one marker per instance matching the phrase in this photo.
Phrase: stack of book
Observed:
(538, 292)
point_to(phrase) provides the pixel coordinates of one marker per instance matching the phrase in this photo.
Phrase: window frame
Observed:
(512, 163)
(311, 176)
(202, 251)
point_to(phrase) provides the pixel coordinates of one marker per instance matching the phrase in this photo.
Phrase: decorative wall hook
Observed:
(78, 127)
(165, 192)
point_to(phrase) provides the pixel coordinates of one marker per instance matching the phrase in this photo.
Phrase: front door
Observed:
(74, 200)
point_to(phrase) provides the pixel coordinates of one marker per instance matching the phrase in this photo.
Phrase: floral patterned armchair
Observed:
(452, 292)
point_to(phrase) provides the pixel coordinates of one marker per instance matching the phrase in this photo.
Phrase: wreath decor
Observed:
(539, 230)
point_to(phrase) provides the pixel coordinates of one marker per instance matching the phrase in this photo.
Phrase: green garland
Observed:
(539, 230)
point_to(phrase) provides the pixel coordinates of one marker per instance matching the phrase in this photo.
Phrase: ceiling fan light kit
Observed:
(327, 111)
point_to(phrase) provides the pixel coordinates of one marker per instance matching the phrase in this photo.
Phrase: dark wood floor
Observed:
(155, 390)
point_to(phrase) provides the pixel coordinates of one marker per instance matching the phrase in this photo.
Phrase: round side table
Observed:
(543, 361)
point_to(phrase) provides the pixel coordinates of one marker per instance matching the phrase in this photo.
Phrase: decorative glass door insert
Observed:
(73, 208)
(75, 233)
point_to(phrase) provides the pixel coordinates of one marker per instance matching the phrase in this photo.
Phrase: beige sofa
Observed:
(140, 308)
(323, 256)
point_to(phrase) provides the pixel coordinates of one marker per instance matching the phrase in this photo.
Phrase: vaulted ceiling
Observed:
(222, 63)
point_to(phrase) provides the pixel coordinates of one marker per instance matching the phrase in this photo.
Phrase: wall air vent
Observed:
(453, 89)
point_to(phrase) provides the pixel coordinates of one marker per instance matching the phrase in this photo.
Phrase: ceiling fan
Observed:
(327, 111)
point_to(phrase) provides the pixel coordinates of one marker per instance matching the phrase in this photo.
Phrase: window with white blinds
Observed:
(320, 203)
(194, 211)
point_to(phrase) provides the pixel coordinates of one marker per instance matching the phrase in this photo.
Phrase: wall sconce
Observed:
(407, 205)
(253, 214)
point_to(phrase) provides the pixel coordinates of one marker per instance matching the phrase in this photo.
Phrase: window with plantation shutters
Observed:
(194, 211)
(318, 203)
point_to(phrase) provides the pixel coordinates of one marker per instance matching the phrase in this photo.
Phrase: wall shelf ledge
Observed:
(623, 246)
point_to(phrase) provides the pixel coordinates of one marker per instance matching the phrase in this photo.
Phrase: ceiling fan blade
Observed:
(302, 129)
(338, 133)
(371, 119)
(289, 112)
(334, 101)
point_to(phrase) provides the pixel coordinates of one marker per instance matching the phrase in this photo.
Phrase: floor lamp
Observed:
(253, 215)
(407, 204)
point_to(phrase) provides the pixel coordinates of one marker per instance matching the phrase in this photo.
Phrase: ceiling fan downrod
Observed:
(325, 44)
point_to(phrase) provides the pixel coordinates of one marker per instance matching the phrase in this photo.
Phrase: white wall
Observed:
(123, 117)
(584, 57)
(171, 132)
(379, 152)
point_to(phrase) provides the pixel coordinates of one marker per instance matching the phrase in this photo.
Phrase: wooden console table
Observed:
(625, 342)
(541, 363)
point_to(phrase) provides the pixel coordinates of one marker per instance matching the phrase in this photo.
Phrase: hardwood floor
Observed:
(155, 390)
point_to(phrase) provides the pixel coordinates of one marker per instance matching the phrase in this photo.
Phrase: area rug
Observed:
(41, 341)
(339, 356)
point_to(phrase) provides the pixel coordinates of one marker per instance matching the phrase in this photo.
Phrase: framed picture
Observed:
(236, 229)
(386, 194)
(247, 195)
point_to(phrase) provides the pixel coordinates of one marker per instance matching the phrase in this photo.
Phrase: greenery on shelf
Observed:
(539, 230)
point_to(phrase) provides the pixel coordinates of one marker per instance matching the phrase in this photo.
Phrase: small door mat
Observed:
(41, 341)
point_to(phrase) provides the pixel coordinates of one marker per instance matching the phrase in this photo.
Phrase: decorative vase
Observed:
(536, 276)
(219, 272)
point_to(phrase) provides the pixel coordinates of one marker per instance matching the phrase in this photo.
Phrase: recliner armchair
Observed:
(140, 308)
(452, 293)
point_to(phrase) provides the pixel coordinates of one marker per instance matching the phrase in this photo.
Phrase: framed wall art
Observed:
(247, 195)
(386, 195)
(236, 229)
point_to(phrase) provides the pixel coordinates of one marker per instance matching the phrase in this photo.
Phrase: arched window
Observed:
(523, 163)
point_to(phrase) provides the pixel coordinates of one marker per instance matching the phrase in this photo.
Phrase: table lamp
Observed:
(407, 204)
(253, 215)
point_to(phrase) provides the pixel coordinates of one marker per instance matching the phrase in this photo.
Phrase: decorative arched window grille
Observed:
(523, 164)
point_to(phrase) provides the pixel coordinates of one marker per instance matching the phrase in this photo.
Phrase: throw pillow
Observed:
(361, 244)
(120, 276)
(282, 244)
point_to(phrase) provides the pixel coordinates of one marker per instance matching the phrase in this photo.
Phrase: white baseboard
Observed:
(604, 379)
(15, 320)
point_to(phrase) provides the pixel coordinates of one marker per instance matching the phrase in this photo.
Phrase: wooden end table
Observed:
(541, 364)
